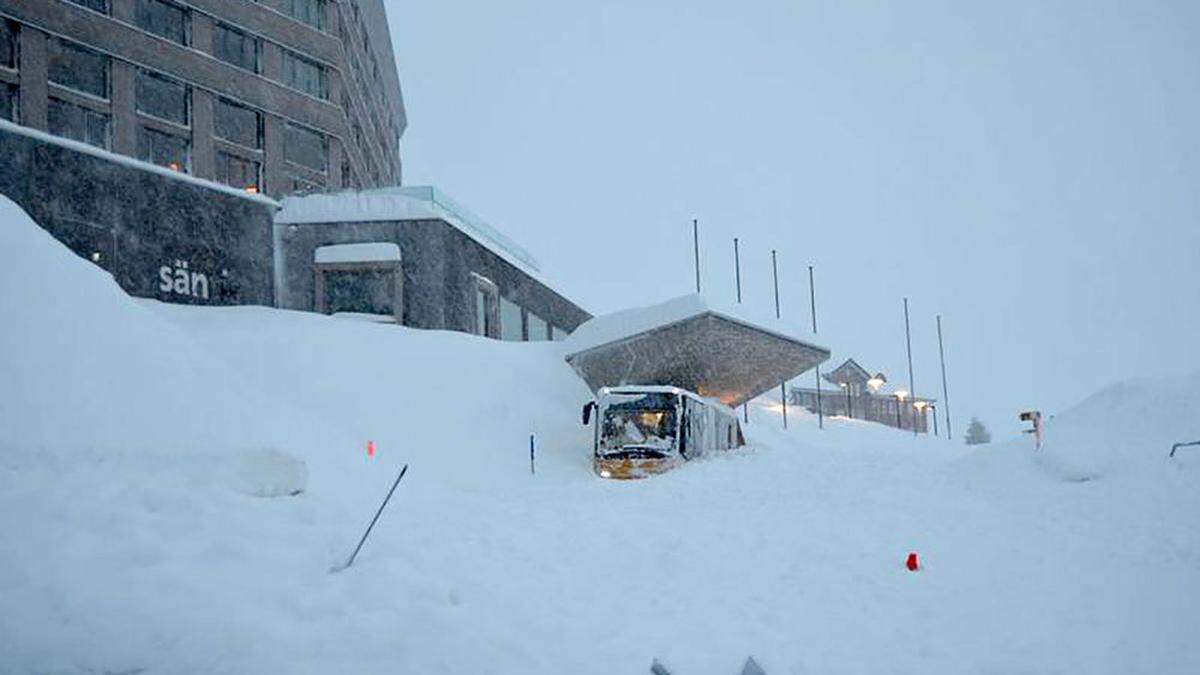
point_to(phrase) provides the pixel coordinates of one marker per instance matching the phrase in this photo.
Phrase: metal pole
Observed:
(531, 469)
(945, 393)
(362, 541)
(933, 410)
(899, 424)
(812, 296)
(849, 406)
(783, 397)
(737, 268)
(912, 389)
(696, 248)
(775, 273)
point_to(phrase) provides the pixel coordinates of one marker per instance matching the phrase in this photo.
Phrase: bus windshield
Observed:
(644, 426)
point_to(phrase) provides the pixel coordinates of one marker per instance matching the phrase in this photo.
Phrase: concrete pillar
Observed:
(203, 157)
(335, 165)
(124, 104)
(274, 171)
(202, 32)
(272, 61)
(34, 91)
(124, 10)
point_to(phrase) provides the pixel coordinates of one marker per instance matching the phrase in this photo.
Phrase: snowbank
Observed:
(150, 455)
(1126, 427)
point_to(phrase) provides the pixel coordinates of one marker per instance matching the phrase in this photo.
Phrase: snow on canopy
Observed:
(376, 251)
(718, 351)
(403, 203)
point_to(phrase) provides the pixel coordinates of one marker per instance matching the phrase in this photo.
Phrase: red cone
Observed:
(912, 564)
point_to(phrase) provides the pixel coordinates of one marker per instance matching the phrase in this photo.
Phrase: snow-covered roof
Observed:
(376, 251)
(631, 322)
(403, 203)
(132, 163)
(690, 342)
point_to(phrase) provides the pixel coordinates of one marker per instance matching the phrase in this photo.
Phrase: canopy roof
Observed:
(688, 343)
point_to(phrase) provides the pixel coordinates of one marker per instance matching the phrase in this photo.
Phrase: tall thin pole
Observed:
(945, 393)
(737, 272)
(912, 389)
(696, 248)
(812, 296)
(775, 273)
(783, 398)
(737, 269)
(933, 409)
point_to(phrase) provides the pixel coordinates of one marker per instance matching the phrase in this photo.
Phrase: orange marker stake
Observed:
(912, 563)
(370, 448)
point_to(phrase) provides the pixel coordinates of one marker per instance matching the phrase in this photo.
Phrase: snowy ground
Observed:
(148, 453)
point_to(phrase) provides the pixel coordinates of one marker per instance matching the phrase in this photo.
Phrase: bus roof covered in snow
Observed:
(687, 342)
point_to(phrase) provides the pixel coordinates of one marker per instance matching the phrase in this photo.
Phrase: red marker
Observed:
(912, 563)
(370, 448)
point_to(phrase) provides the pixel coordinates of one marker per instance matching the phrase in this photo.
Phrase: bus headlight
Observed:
(606, 474)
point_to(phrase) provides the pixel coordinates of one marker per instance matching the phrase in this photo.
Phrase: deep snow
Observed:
(137, 440)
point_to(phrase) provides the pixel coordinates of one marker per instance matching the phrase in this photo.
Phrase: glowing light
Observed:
(96, 256)
(920, 405)
(370, 448)
(175, 166)
(606, 474)
(252, 189)
(876, 383)
(901, 394)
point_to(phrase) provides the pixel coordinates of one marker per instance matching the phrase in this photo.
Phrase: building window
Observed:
(8, 44)
(8, 102)
(75, 67)
(77, 123)
(94, 5)
(486, 298)
(163, 97)
(304, 75)
(511, 327)
(311, 12)
(538, 328)
(156, 147)
(163, 19)
(243, 174)
(306, 147)
(238, 124)
(233, 46)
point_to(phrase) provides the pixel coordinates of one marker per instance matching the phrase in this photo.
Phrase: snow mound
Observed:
(1125, 427)
(270, 473)
(95, 368)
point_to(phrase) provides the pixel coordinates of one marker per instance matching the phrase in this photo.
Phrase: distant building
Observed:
(853, 392)
(270, 97)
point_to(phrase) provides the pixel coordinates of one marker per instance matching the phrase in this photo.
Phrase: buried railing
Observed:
(1182, 445)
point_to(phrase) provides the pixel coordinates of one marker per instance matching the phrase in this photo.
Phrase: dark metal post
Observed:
(696, 248)
(531, 469)
(912, 389)
(812, 296)
(945, 393)
(933, 410)
(899, 424)
(737, 269)
(783, 397)
(849, 405)
(775, 273)
(362, 541)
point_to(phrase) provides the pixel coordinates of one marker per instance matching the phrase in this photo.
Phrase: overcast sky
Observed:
(1029, 170)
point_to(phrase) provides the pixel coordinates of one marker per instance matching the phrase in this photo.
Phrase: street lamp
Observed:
(920, 406)
(933, 411)
(876, 383)
(900, 396)
(849, 405)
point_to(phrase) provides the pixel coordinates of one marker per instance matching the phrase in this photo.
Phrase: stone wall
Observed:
(143, 226)
(438, 261)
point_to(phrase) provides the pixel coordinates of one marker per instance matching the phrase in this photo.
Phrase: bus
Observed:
(645, 430)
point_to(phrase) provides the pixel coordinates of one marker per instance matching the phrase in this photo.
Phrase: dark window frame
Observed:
(102, 6)
(222, 161)
(219, 105)
(253, 39)
(70, 46)
(11, 93)
(140, 20)
(87, 117)
(292, 82)
(149, 133)
(13, 32)
(153, 75)
(292, 9)
(289, 157)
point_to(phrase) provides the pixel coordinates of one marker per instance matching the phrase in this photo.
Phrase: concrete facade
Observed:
(189, 243)
(354, 108)
(441, 268)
